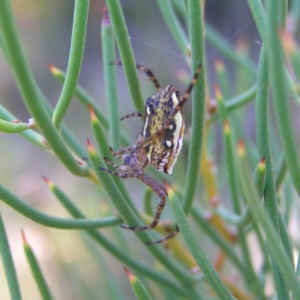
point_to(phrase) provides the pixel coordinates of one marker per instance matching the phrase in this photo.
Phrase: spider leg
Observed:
(185, 96)
(121, 168)
(119, 153)
(134, 114)
(121, 175)
(147, 71)
(160, 190)
(175, 232)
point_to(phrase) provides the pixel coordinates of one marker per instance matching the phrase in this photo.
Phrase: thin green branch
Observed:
(118, 252)
(81, 10)
(281, 172)
(279, 89)
(242, 99)
(259, 15)
(263, 218)
(36, 270)
(233, 185)
(218, 239)
(104, 150)
(224, 47)
(17, 204)
(264, 150)
(138, 287)
(260, 18)
(246, 218)
(132, 219)
(196, 33)
(110, 80)
(11, 127)
(30, 94)
(85, 99)
(147, 202)
(8, 264)
(195, 249)
(126, 53)
(286, 242)
(174, 26)
(238, 101)
(29, 135)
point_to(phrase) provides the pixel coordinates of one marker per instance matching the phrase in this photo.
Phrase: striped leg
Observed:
(121, 175)
(160, 190)
(151, 76)
(134, 114)
(121, 152)
(147, 71)
(172, 234)
(120, 168)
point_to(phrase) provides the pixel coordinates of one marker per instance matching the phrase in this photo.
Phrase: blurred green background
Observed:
(45, 29)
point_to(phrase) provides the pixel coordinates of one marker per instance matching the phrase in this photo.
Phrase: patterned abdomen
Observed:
(163, 151)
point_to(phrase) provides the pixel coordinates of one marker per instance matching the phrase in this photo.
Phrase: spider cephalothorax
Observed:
(159, 142)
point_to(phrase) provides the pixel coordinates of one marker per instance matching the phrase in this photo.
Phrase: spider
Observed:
(158, 144)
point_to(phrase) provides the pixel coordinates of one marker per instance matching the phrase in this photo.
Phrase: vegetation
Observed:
(235, 223)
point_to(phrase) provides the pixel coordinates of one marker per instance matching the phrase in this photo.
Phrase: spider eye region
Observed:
(163, 151)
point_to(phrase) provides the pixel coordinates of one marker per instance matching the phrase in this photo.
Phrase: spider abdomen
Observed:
(163, 151)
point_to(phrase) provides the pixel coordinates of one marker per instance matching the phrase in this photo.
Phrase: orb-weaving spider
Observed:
(158, 144)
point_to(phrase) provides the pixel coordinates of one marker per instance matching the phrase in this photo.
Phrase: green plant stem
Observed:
(119, 253)
(108, 281)
(30, 135)
(110, 80)
(218, 239)
(174, 26)
(298, 266)
(29, 92)
(260, 18)
(17, 204)
(234, 219)
(238, 101)
(138, 287)
(288, 192)
(233, 185)
(198, 97)
(66, 133)
(286, 242)
(132, 219)
(223, 46)
(259, 15)
(85, 99)
(195, 249)
(246, 218)
(147, 201)
(126, 53)
(263, 218)
(282, 110)
(104, 150)
(264, 150)
(242, 99)
(81, 10)
(36, 271)
(281, 172)
(9, 127)
(8, 264)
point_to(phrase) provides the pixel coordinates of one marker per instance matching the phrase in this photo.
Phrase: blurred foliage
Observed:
(248, 150)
